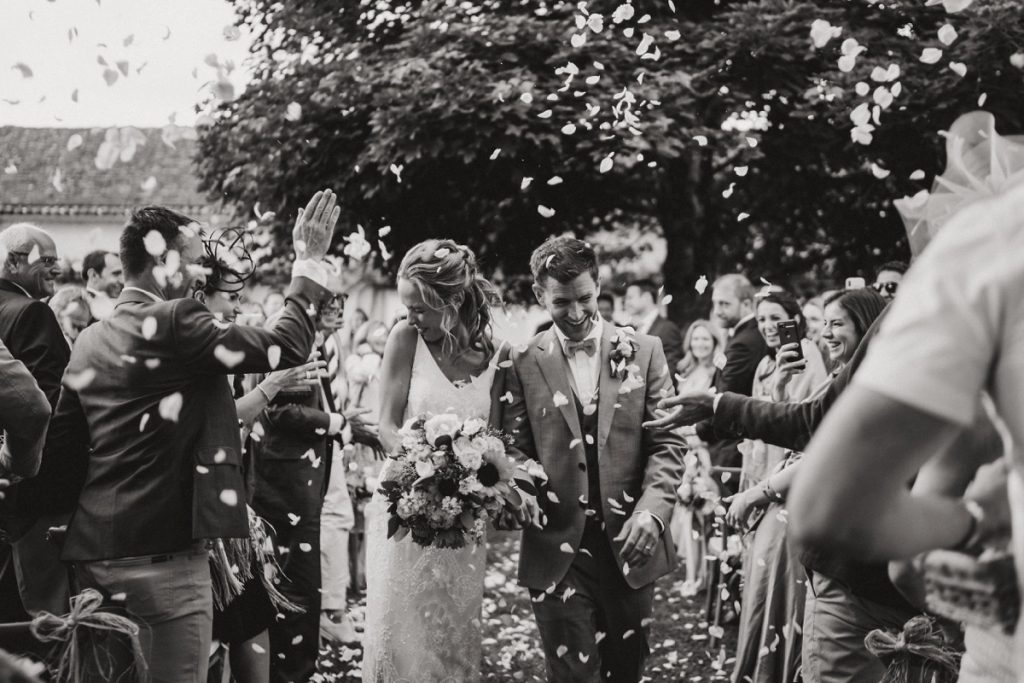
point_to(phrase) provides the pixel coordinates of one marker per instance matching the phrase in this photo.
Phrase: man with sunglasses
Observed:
(294, 463)
(888, 279)
(30, 330)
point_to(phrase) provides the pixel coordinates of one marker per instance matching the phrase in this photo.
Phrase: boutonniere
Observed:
(623, 350)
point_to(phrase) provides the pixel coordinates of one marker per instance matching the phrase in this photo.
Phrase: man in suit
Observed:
(293, 463)
(147, 413)
(30, 330)
(611, 486)
(641, 303)
(732, 301)
(104, 280)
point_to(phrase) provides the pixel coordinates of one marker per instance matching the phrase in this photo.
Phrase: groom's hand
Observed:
(640, 536)
(531, 514)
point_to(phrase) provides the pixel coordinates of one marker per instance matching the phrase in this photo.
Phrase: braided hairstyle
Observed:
(447, 278)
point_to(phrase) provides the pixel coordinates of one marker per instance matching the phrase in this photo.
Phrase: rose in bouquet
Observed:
(450, 478)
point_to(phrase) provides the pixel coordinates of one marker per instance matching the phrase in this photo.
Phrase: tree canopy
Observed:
(725, 125)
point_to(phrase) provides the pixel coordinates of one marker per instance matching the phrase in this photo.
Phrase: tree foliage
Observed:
(439, 118)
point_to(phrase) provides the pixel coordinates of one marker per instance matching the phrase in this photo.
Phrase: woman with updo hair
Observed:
(423, 619)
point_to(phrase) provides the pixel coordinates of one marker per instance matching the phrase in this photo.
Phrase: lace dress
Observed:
(423, 604)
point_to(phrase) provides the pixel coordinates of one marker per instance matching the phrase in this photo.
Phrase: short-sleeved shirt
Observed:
(956, 330)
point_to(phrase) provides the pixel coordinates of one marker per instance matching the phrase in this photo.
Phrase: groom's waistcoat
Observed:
(588, 425)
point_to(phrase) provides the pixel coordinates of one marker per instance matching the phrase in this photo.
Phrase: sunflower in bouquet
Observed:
(450, 478)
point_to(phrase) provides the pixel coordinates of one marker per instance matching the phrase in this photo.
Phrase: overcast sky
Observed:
(171, 37)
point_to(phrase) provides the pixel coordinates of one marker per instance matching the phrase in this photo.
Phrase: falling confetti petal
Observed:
(959, 68)
(228, 357)
(545, 211)
(293, 112)
(155, 243)
(931, 55)
(229, 497)
(80, 380)
(947, 35)
(23, 69)
(822, 32)
(701, 285)
(170, 407)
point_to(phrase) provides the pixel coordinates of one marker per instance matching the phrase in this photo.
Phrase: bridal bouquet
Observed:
(450, 478)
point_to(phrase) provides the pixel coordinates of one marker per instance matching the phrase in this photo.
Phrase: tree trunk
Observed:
(683, 213)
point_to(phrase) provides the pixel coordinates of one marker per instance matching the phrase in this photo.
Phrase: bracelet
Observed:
(771, 494)
(264, 392)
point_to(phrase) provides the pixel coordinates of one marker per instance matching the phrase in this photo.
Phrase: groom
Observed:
(612, 485)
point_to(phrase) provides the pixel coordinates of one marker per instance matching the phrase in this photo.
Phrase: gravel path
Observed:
(679, 637)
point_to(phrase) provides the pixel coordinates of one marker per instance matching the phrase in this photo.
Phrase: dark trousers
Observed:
(599, 602)
(295, 638)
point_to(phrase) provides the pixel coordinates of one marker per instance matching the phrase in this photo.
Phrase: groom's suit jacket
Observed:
(639, 469)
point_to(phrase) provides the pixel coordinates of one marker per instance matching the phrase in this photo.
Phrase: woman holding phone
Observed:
(773, 593)
(772, 576)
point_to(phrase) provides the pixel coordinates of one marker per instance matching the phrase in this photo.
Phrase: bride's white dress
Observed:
(423, 604)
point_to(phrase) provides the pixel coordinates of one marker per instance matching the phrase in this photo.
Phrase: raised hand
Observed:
(314, 226)
(683, 410)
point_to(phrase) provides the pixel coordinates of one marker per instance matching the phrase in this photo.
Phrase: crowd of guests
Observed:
(289, 458)
(144, 401)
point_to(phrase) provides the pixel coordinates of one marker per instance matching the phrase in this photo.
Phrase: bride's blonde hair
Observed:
(446, 275)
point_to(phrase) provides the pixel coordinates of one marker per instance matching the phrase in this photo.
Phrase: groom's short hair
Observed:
(564, 259)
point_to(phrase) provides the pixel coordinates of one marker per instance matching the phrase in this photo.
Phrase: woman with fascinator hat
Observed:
(246, 602)
(423, 616)
(950, 355)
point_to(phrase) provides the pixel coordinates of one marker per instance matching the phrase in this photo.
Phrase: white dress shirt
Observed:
(586, 370)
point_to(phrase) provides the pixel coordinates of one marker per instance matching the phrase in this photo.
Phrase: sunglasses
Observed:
(336, 304)
(886, 287)
(48, 261)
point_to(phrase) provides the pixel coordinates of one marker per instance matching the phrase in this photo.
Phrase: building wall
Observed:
(75, 236)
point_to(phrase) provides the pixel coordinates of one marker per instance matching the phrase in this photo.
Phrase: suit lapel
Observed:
(554, 368)
(609, 388)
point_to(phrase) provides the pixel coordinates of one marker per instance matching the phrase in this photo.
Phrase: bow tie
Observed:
(587, 346)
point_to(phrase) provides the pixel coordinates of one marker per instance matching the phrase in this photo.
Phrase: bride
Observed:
(423, 604)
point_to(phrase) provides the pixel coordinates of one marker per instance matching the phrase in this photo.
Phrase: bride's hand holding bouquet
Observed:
(451, 477)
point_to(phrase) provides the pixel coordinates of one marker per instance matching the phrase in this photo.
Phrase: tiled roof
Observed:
(39, 174)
